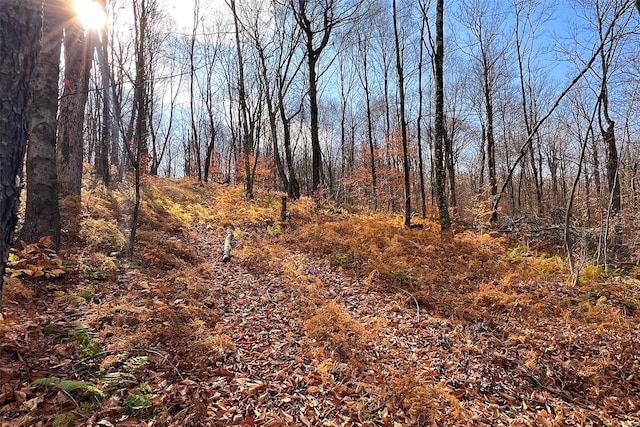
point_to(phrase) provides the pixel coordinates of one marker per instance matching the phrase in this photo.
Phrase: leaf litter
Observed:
(284, 336)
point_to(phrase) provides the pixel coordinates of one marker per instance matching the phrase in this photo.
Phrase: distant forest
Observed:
(339, 97)
(483, 111)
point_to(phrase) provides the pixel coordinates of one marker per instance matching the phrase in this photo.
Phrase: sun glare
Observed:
(90, 14)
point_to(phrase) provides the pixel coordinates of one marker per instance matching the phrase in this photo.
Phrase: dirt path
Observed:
(319, 347)
(322, 348)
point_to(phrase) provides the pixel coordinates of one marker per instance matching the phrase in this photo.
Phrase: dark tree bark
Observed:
(271, 112)
(403, 121)
(317, 20)
(439, 168)
(20, 24)
(491, 154)
(423, 193)
(103, 170)
(293, 190)
(313, 52)
(42, 214)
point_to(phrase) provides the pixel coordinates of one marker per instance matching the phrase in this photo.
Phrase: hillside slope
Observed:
(329, 318)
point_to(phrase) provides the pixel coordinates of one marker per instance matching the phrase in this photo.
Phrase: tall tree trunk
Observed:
(450, 163)
(439, 168)
(247, 134)
(141, 99)
(607, 129)
(20, 25)
(491, 155)
(423, 193)
(70, 144)
(310, 30)
(103, 170)
(403, 121)
(293, 189)
(192, 74)
(316, 152)
(370, 139)
(525, 109)
(42, 215)
(273, 125)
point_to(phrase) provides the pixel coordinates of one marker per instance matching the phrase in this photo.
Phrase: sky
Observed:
(182, 10)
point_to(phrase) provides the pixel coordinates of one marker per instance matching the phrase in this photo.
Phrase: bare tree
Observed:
(247, 129)
(403, 119)
(424, 7)
(364, 49)
(439, 138)
(195, 134)
(318, 20)
(485, 24)
(609, 29)
(529, 17)
(20, 25)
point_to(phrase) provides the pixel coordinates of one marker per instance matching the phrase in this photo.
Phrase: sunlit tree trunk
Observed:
(42, 215)
(70, 143)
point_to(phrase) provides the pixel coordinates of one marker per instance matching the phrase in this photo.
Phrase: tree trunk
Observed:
(316, 152)
(42, 215)
(403, 122)
(70, 143)
(20, 24)
(491, 155)
(192, 74)
(293, 189)
(370, 138)
(423, 193)
(450, 164)
(247, 135)
(103, 169)
(439, 168)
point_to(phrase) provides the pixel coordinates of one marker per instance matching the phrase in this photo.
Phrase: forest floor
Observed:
(330, 318)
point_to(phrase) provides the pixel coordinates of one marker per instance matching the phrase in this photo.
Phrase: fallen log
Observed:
(226, 249)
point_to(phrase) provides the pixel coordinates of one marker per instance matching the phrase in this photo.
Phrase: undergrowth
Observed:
(474, 278)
